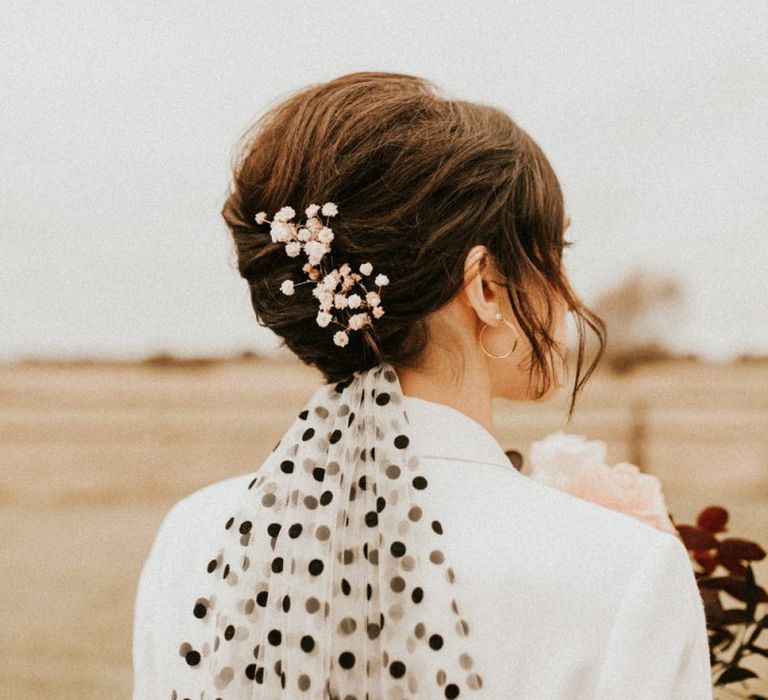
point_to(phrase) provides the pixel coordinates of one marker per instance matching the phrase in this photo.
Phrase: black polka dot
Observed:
(397, 549)
(316, 567)
(277, 565)
(334, 437)
(286, 466)
(318, 473)
(200, 611)
(275, 637)
(260, 674)
(437, 527)
(340, 386)
(192, 657)
(419, 482)
(371, 518)
(307, 643)
(212, 566)
(273, 529)
(295, 530)
(245, 527)
(417, 595)
(286, 603)
(326, 497)
(261, 598)
(401, 442)
(303, 415)
(250, 671)
(229, 632)
(451, 690)
(397, 669)
(347, 659)
(346, 589)
(436, 642)
(308, 434)
(229, 523)
(382, 399)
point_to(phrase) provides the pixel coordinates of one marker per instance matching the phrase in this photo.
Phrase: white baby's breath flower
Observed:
(381, 280)
(325, 235)
(281, 232)
(323, 318)
(315, 251)
(287, 287)
(261, 217)
(285, 214)
(326, 301)
(366, 268)
(354, 301)
(340, 338)
(304, 234)
(311, 210)
(293, 248)
(330, 281)
(307, 267)
(377, 311)
(340, 301)
(314, 224)
(357, 321)
(373, 298)
(345, 269)
(330, 209)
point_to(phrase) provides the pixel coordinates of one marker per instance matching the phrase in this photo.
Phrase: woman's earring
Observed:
(499, 317)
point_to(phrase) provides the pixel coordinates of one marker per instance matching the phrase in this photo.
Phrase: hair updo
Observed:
(418, 180)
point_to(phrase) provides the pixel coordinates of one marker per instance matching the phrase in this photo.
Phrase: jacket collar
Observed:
(439, 430)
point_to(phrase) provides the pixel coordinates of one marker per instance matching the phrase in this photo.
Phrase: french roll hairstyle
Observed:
(419, 180)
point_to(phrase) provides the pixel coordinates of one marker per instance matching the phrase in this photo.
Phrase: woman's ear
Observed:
(480, 291)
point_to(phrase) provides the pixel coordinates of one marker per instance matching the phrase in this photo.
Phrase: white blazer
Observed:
(567, 600)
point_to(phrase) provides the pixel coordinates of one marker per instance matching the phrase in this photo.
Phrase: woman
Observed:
(386, 547)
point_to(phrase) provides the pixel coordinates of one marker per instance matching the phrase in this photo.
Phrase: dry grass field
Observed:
(93, 455)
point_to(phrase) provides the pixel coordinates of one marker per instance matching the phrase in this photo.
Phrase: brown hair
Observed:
(418, 180)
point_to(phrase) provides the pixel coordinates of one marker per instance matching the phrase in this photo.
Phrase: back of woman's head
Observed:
(418, 180)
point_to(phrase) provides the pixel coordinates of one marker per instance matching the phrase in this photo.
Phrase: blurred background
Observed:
(132, 370)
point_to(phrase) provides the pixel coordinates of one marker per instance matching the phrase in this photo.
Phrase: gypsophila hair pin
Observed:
(314, 238)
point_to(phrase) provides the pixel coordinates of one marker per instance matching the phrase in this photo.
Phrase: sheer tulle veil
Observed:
(329, 578)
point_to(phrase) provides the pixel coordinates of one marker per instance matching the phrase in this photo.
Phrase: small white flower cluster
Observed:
(331, 290)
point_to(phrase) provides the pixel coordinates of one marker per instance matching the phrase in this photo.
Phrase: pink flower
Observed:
(577, 466)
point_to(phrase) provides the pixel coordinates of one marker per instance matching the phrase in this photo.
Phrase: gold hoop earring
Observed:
(499, 317)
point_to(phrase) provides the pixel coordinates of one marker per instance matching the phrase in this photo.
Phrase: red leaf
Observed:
(735, 616)
(740, 548)
(713, 519)
(706, 559)
(696, 538)
(732, 564)
(735, 674)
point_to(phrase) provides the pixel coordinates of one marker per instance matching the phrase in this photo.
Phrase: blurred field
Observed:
(93, 455)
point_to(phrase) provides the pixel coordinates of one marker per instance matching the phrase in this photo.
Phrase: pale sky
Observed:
(118, 120)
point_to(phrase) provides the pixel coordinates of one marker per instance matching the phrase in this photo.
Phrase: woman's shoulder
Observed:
(555, 530)
(198, 507)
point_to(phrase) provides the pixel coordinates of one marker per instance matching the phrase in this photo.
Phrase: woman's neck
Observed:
(440, 384)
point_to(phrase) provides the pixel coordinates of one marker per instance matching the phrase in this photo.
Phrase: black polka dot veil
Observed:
(331, 579)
